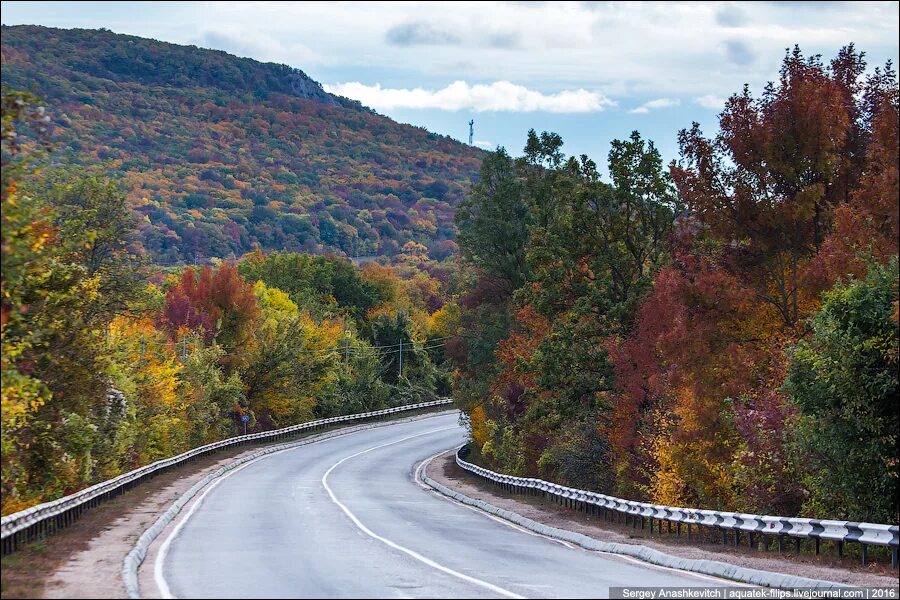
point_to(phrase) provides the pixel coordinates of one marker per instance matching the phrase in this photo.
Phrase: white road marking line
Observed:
(396, 546)
(724, 582)
(419, 481)
(164, 549)
(158, 575)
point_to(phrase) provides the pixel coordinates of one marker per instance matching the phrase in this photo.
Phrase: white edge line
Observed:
(164, 549)
(424, 464)
(396, 546)
(158, 564)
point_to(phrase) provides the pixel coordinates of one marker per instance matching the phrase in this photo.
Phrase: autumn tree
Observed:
(867, 227)
(218, 304)
(63, 425)
(290, 363)
(589, 253)
(769, 182)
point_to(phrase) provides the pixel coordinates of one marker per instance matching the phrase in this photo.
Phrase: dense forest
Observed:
(110, 362)
(718, 333)
(221, 155)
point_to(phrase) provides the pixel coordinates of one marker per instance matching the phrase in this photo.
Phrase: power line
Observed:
(180, 347)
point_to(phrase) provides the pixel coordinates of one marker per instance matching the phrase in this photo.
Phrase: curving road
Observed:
(345, 518)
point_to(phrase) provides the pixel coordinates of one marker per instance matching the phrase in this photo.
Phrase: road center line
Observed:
(396, 546)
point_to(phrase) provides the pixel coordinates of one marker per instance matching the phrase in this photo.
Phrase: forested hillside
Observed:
(719, 333)
(110, 362)
(221, 154)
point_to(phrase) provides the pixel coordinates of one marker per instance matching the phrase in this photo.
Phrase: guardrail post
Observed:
(615, 510)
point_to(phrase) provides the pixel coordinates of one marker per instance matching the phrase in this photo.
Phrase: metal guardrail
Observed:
(638, 513)
(41, 520)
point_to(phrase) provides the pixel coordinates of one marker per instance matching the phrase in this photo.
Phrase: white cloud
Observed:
(710, 101)
(243, 43)
(500, 96)
(654, 104)
(484, 144)
(598, 46)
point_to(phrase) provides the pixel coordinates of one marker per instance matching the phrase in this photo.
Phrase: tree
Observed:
(588, 253)
(844, 381)
(868, 226)
(25, 239)
(393, 335)
(96, 227)
(768, 184)
(670, 428)
(321, 284)
(493, 222)
(216, 399)
(290, 363)
(63, 426)
(217, 304)
(359, 386)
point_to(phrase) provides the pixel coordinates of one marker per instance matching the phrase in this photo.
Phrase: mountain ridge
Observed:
(223, 154)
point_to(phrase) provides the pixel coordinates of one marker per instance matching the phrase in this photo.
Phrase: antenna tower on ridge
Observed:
(471, 130)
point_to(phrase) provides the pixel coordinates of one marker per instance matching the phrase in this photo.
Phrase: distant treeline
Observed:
(278, 338)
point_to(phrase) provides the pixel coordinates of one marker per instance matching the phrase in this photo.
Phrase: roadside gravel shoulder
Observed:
(85, 559)
(446, 472)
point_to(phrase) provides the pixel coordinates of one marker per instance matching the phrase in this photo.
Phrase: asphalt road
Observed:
(345, 518)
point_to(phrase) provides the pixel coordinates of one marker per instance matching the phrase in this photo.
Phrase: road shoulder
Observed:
(85, 559)
(545, 515)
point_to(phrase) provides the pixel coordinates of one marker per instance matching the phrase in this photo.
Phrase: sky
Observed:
(590, 71)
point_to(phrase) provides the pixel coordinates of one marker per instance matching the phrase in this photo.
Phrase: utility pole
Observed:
(143, 347)
(471, 130)
(346, 346)
(401, 357)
